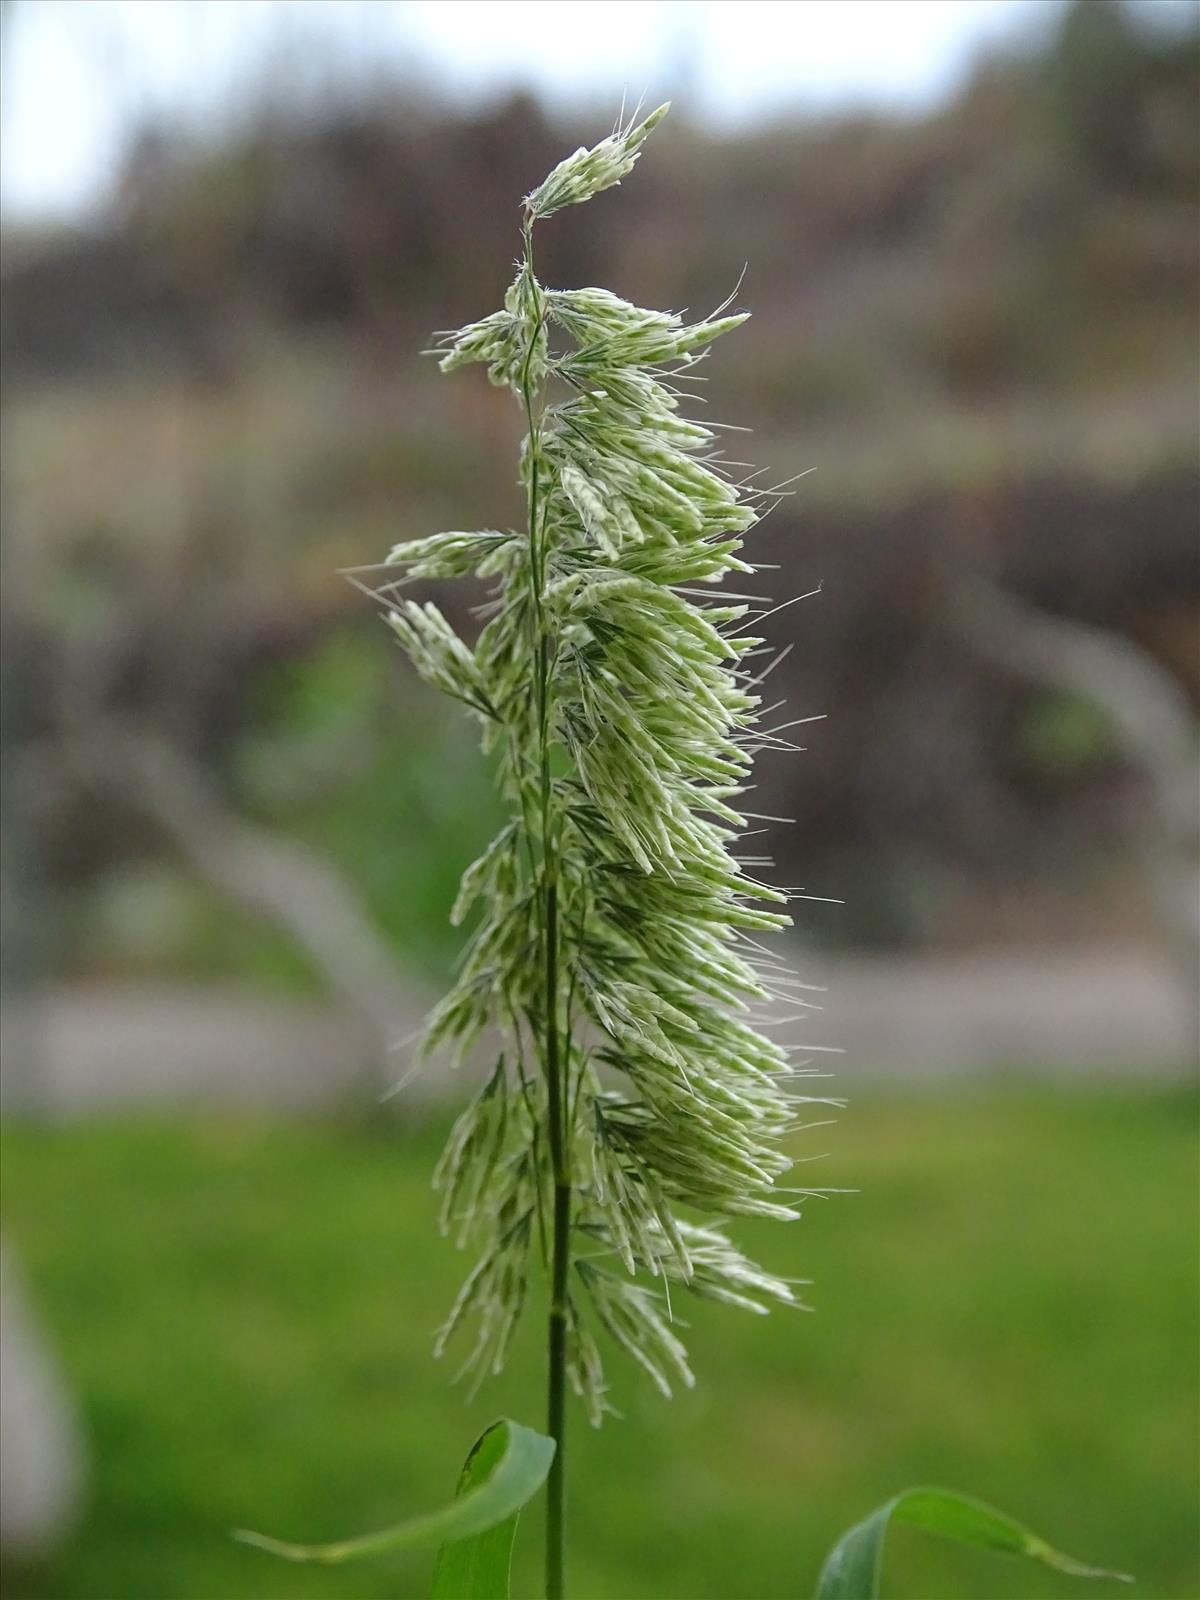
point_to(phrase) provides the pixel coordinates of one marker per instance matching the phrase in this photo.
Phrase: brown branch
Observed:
(1149, 712)
(275, 876)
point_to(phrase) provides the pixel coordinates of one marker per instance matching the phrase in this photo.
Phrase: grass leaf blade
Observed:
(506, 1467)
(853, 1567)
(477, 1567)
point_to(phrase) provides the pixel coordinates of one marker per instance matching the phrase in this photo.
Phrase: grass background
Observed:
(1008, 1306)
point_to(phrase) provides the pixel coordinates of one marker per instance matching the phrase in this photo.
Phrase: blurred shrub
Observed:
(389, 786)
(1060, 735)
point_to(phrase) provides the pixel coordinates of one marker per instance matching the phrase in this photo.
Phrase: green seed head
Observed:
(622, 711)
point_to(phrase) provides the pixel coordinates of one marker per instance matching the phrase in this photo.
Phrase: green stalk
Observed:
(556, 1099)
(556, 1365)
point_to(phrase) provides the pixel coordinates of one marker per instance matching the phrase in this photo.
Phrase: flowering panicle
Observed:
(616, 949)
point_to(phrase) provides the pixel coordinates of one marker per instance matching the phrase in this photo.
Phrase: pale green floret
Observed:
(587, 172)
(621, 715)
(438, 654)
(496, 341)
(448, 555)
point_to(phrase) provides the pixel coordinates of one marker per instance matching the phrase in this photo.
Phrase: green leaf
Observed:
(506, 1467)
(477, 1568)
(853, 1568)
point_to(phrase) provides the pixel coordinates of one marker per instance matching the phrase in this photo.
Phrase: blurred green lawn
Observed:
(1008, 1306)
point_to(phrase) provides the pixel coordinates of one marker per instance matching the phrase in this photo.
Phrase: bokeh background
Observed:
(233, 821)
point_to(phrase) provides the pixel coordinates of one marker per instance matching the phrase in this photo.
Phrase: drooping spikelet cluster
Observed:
(616, 951)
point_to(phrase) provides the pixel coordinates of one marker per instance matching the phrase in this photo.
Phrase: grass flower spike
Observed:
(635, 1108)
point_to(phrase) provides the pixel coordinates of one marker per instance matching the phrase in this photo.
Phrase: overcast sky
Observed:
(80, 74)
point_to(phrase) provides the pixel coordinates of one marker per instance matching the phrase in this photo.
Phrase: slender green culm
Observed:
(634, 1108)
